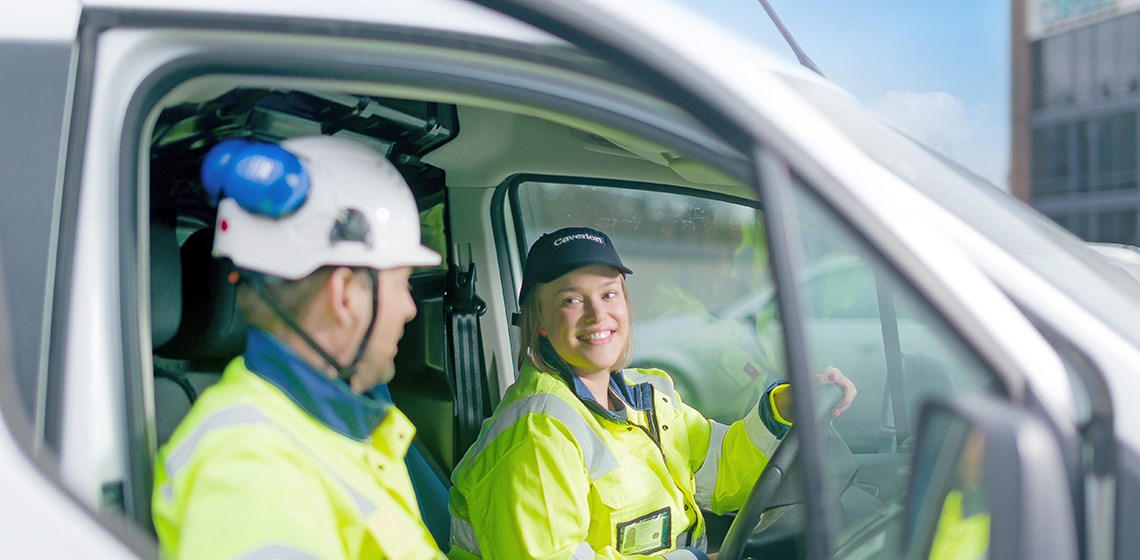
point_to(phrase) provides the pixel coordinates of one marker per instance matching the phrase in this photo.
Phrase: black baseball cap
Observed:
(566, 250)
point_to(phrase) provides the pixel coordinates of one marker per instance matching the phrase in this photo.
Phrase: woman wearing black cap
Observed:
(587, 458)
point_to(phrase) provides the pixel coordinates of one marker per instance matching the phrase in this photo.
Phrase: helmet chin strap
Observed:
(344, 373)
(375, 276)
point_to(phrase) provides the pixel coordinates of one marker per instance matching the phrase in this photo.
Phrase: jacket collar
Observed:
(617, 384)
(330, 402)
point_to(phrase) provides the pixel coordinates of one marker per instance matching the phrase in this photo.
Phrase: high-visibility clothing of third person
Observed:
(555, 475)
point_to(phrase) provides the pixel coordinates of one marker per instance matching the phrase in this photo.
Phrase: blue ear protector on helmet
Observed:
(263, 178)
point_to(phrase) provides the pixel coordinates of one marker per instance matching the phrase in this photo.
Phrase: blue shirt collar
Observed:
(617, 385)
(330, 402)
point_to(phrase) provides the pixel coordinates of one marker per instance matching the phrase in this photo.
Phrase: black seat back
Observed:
(165, 317)
(420, 387)
(165, 283)
(210, 333)
(212, 329)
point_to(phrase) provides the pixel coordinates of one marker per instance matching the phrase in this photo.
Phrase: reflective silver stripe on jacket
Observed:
(758, 433)
(278, 552)
(463, 536)
(584, 552)
(706, 475)
(702, 543)
(246, 416)
(664, 385)
(237, 416)
(680, 555)
(598, 458)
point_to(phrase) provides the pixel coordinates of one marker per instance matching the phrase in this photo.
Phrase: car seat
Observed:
(211, 332)
(165, 282)
(172, 392)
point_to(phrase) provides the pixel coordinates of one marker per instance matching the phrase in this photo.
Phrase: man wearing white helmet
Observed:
(289, 456)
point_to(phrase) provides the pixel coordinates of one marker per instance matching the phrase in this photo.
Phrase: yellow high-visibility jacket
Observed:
(960, 536)
(286, 463)
(553, 475)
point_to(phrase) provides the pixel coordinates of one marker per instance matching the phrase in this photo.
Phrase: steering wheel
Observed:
(774, 481)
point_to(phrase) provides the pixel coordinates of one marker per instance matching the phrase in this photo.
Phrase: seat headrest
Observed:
(211, 328)
(165, 283)
(423, 348)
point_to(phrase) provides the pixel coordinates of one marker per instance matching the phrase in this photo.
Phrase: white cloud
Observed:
(974, 136)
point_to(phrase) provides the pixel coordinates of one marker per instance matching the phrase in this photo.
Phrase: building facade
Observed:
(1076, 101)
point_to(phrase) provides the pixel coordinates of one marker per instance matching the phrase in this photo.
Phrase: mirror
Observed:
(988, 481)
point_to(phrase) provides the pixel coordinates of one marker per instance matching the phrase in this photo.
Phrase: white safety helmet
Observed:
(286, 210)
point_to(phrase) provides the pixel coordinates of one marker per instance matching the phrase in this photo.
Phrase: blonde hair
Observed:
(530, 338)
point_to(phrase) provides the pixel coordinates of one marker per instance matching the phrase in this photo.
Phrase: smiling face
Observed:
(585, 315)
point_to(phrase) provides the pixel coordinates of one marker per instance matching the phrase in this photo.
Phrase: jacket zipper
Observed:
(653, 431)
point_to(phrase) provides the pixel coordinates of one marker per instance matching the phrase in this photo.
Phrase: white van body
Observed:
(509, 119)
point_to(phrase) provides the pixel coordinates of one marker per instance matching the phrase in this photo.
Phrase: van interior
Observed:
(442, 144)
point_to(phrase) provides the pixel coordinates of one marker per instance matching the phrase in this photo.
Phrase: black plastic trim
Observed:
(66, 236)
(498, 223)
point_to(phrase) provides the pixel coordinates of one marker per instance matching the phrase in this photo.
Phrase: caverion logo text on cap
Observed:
(593, 238)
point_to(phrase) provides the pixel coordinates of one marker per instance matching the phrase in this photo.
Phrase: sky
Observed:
(937, 69)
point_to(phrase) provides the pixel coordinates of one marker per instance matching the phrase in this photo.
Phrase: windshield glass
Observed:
(1043, 246)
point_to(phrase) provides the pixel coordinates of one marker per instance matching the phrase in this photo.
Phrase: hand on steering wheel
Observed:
(780, 465)
(831, 375)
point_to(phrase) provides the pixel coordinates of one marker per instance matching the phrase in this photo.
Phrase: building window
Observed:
(1037, 74)
(1085, 86)
(1116, 152)
(1118, 226)
(1107, 57)
(1051, 168)
(1084, 142)
(1081, 225)
(1057, 67)
(1129, 43)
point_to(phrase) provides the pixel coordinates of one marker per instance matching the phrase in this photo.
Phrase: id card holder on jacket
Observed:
(646, 534)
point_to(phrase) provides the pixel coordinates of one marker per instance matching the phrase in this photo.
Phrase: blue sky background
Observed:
(938, 69)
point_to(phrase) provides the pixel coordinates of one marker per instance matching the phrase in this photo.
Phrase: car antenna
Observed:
(800, 54)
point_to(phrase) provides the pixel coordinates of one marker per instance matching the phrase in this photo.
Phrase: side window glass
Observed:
(701, 289)
(842, 291)
(866, 320)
